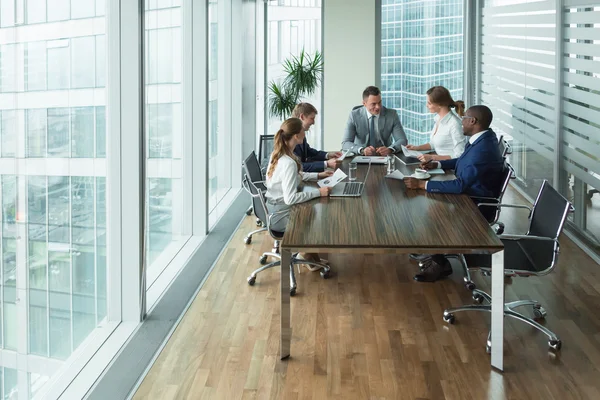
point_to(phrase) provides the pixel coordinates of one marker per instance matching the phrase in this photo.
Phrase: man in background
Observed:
(312, 160)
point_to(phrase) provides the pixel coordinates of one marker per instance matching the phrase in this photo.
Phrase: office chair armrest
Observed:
(274, 214)
(527, 237)
(501, 205)
(483, 198)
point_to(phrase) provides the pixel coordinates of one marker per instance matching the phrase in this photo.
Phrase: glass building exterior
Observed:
(421, 47)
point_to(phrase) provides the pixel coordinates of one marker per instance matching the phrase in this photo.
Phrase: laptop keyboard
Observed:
(352, 188)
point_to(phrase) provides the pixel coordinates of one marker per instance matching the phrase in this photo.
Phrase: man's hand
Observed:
(334, 154)
(428, 165)
(384, 151)
(333, 162)
(369, 151)
(414, 183)
(324, 191)
(324, 174)
(425, 157)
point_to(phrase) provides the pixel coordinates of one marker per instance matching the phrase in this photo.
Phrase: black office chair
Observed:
(260, 209)
(253, 171)
(532, 254)
(504, 147)
(265, 148)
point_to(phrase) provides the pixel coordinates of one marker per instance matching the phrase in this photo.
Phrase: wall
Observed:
(350, 62)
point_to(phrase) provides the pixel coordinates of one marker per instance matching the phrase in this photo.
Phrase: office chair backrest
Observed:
(252, 168)
(258, 201)
(491, 214)
(549, 212)
(265, 148)
(547, 220)
(357, 107)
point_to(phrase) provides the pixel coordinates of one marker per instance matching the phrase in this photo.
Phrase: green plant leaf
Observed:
(304, 73)
(282, 100)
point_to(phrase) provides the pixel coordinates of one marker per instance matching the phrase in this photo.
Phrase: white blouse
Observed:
(283, 184)
(449, 139)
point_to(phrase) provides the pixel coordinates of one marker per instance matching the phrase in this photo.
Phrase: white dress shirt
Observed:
(448, 139)
(376, 123)
(282, 186)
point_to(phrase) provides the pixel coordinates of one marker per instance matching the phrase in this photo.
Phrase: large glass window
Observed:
(53, 292)
(58, 64)
(83, 62)
(164, 134)
(8, 132)
(35, 66)
(421, 47)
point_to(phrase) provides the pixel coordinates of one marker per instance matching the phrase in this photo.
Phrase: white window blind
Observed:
(581, 93)
(517, 78)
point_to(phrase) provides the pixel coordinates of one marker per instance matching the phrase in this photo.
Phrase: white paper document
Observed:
(410, 153)
(395, 175)
(333, 180)
(344, 155)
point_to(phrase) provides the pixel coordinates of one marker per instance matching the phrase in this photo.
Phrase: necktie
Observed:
(372, 138)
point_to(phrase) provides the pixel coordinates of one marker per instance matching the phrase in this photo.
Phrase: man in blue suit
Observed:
(478, 173)
(312, 160)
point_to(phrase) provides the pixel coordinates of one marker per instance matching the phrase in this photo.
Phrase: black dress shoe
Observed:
(433, 271)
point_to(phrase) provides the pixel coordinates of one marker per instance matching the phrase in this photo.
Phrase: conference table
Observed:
(389, 218)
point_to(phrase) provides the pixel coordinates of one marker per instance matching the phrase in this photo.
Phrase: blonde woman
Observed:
(447, 138)
(284, 176)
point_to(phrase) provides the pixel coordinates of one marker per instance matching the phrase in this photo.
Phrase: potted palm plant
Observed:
(303, 76)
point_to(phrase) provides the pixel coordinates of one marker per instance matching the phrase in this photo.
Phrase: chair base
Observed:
(248, 238)
(325, 269)
(554, 342)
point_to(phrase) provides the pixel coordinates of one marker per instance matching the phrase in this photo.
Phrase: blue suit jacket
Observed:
(478, 170)
(311, 159)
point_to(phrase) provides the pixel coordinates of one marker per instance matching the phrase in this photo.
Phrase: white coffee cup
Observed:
(420, 173)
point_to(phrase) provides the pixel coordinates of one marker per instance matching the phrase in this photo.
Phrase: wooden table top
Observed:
(388, 217)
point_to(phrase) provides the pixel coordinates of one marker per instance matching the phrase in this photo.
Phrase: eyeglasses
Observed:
(467, 117)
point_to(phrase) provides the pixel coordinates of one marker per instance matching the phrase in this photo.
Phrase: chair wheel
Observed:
(500, 229)
(324, 274)
(555, 344)
(248, 239)
(488, 349)
(249, 211)
(470, 286)
(258, 222)
(477, 298)
(539, 312)
(262, 259)
(251, 280)
(449, 318)
(292, 292)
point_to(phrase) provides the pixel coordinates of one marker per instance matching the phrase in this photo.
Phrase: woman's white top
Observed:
(449, 139)
(283, 184)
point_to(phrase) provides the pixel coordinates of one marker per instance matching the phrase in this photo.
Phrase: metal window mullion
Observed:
(559, 43)
(478, 45)
(95, 206)
(131, 166)
(47, 269)
(71, 258)
(200, 103)
(188, 116)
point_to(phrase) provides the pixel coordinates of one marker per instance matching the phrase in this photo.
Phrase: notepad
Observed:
(344, 155)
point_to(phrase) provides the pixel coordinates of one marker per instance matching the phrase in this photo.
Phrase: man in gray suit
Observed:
(373, 129)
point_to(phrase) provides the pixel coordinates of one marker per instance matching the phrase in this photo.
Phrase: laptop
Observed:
(350, 189)
(370, 159)
(408, 160)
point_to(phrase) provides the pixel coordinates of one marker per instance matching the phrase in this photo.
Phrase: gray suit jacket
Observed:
(356, 134)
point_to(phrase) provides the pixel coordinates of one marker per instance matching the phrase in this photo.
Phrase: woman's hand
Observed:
(325, 190)
(324, 174)
(412, 147)
(425, 158)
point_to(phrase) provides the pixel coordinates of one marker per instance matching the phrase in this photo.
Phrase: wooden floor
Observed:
(371, 332)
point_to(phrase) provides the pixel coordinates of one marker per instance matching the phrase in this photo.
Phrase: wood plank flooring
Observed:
(371, 332)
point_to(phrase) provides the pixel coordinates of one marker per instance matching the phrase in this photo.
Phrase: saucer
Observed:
(427, 176)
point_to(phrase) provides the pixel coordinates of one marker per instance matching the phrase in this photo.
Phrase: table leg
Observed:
(497, 329)
(286, 330)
